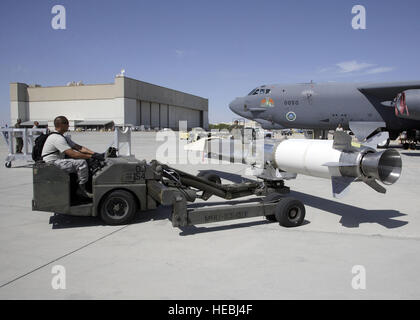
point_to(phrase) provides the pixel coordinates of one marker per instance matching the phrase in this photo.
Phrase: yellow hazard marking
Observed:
(356, 145)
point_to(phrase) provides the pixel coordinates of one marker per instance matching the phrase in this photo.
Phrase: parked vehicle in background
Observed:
(184, 135)
(286, 132)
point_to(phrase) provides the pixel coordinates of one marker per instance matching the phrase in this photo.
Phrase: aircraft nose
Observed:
(234, 105)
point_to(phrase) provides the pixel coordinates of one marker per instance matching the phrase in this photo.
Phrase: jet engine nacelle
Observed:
(407, 105)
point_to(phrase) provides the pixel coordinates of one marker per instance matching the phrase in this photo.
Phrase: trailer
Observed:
(123, 186)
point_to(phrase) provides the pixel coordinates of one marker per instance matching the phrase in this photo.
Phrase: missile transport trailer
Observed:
(123, 186)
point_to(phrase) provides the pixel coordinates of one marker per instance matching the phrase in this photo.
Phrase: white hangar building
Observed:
(125, 102)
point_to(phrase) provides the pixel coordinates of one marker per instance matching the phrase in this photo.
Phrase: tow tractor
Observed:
(122, 186)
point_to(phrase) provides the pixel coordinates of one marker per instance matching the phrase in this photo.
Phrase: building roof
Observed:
(31, 123)
(94, 123)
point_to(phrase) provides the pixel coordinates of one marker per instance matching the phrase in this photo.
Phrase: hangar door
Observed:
(177, 114)
(153, 114)
(145, 113)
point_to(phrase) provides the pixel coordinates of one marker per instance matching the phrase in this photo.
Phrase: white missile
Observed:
(339, 159)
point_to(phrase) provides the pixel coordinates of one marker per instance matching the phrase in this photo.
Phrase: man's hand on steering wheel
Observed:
(98, 156)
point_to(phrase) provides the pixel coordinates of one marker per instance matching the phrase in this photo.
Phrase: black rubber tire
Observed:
(290, 212)
(118, 198)
(272, 197)
(8, 164)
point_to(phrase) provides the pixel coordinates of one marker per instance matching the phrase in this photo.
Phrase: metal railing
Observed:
(122, 141)
(28, 136)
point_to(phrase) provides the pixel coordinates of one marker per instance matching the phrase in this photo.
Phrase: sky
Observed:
(214, 49)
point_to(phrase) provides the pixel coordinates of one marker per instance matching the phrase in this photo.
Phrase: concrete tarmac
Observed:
(240, 259)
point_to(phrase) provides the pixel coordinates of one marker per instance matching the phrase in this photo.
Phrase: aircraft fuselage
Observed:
(318, 106)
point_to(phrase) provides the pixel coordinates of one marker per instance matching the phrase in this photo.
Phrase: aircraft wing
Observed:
(388, 91)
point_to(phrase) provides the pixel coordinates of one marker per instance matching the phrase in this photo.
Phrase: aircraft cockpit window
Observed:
(259, 91)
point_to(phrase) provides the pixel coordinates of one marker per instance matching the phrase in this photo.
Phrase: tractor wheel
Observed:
(118, 207)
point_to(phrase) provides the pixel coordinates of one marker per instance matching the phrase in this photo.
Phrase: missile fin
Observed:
(342, 141)
(376, 139)
(362, 129)
(340, 185)
(375, 186)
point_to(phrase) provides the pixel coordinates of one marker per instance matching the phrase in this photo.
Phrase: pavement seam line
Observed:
(373, 235)
(61, 257)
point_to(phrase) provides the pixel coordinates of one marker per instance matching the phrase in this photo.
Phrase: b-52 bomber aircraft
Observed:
(375, 113)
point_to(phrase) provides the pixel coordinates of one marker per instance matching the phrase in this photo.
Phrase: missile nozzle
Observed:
(385, 166)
